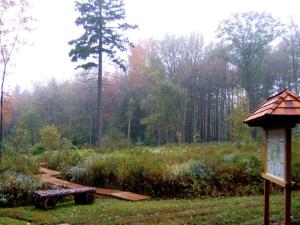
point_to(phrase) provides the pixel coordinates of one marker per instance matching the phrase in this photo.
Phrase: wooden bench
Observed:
(47, 199)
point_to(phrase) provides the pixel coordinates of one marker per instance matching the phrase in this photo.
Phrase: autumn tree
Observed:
(13, 20)
(144, 68)
(104, 35)
(247, 37)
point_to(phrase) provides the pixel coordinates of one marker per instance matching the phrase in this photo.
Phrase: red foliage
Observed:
(139, 64)
(7, 110)
(136, 66)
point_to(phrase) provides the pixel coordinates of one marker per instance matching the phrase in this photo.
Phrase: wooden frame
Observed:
(286, 183)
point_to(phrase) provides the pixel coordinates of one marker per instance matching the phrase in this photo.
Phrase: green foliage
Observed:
(164, 101)
(115, 140)
(102, 20)
(238, 130)
(150, 139)
(38, 149)
(31, 121)
(18, 139)
(50, 137)
(196, 137)
(19, 163)
(67, 144)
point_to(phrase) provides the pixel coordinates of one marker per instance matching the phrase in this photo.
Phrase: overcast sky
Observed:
(46, 54)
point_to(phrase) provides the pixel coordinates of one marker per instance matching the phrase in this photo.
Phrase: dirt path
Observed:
(51, 177)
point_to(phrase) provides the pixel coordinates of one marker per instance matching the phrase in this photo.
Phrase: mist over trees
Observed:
(175, 90)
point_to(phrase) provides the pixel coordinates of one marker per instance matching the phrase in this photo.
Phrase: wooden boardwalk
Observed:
(51, 177)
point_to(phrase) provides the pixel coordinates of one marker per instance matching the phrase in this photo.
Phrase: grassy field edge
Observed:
(223, 210)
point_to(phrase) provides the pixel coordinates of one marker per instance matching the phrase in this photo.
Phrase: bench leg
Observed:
(46, 203)
(84, 198)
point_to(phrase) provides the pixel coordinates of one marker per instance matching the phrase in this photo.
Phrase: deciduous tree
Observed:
(248, 36)
(13, 20)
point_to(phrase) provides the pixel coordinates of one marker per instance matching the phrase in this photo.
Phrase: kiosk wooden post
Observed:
(266, 201)
(288, 178)
(277, 115)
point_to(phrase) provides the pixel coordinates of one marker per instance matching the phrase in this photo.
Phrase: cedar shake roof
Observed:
(278, 109)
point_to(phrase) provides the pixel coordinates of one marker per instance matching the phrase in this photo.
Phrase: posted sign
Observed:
(276, 153)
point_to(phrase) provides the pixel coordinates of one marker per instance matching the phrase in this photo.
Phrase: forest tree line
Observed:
(179, 89)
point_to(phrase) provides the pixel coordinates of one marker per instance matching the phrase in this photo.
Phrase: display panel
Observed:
(276, 152)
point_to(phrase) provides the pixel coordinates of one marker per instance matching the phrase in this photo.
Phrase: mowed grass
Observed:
(225, 210)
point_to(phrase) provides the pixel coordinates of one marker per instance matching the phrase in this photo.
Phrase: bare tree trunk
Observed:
(99, 104)
(91, 128)
(99, 87)
(183, 133)
(294, 69)
(130, 113)
(1, 109)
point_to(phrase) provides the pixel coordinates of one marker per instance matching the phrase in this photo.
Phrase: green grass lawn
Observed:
(225, 210)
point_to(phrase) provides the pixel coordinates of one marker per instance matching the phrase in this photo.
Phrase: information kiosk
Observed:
(277, 115)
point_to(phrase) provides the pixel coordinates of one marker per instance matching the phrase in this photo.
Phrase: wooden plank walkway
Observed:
(50, 176)
(49, 172)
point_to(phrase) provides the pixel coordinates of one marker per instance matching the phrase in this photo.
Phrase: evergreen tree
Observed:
(103, 22)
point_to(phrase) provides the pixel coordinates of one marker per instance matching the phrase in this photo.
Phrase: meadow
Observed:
(173, 171)
(208, 183)
(180, 171)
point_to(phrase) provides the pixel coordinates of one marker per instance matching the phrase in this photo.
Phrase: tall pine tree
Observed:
(104, 25)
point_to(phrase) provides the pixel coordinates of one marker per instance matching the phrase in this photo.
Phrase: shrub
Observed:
(115, 140)
(17, 189)
(50, 137)
(196, 137)
(67, 144)
(150, 139)
(77, 174)
(18, 139)
(38, 149)
(200, 171)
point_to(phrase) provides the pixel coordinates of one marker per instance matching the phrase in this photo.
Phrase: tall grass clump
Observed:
(190, 170)
(174, 171)
(19, 163)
